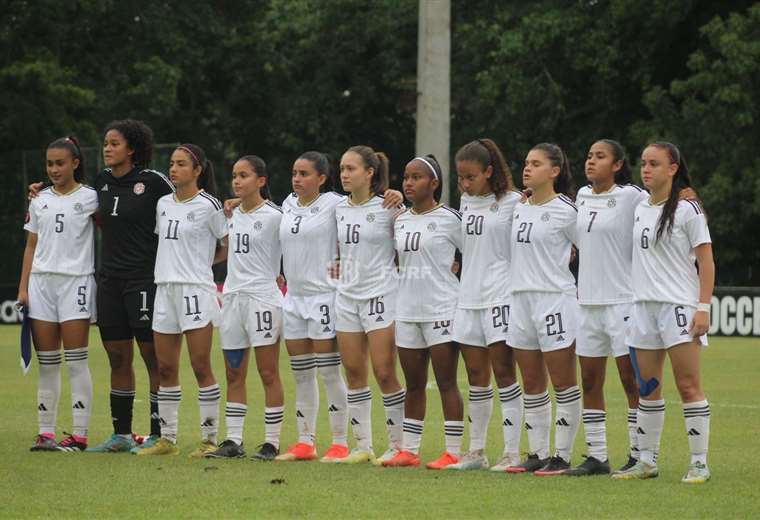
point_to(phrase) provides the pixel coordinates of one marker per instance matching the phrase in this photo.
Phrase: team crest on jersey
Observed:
(545, 217)
(257, 225)
(611, 203)
(139, 188)
(494, 207)
(78, 207)
(431, 226)
(191, 217)
(370, 217)
(314, 210)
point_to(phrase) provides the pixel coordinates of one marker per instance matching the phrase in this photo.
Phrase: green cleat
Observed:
(115, 444)
(640, 471)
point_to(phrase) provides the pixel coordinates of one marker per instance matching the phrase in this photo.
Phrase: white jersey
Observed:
(664, 270)
(309, 242)
(542, 238)
(187, 236)
(425, 244)
(253, 258)
(605, 221)
(65, 231)
(486, 256)
(367, 253)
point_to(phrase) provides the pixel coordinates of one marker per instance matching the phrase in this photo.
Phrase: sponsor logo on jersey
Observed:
(230, 225)
(517, 216)
(545, 217)
(268, 335)
(562, 422)
(104, 188)
(163, 213)
(257, 225)
(637, 219)
(83, 309)
(370, 217)
(327, 329)
(197, 318)
(560, 338)
(379, 318)
(611, 203)
(43, 207)
(139, 188)
(431, 226)
(494, 207)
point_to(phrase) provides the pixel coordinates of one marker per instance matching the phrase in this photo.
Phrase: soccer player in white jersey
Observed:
(605, 220)
(427, 237)
(189, 225)
(365, 304)
(545, 309)
(482, 318)
(671, 307)
(252, 309)
(57, 288)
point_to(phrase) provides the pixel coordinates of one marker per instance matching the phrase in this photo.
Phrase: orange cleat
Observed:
(300, 451)
(403, 459)
(335, 453)
(447, 459)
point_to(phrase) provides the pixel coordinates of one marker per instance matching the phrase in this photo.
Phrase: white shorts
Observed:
(659, 326)
(365, 315)
(482, 327)
(311, 317)
(248, 322)
(601, 330)
(59, 297)
(180, 307)
(543, 321)
(423, 334)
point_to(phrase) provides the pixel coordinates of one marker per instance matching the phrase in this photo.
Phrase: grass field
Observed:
(94, 486)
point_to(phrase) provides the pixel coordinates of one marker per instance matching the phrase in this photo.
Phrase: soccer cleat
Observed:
(628, 465)
(115, 444)
(44, 442)
(335, 454)
(443, 462)
(403, 459)
(161, 447)
(697, 474)
(300, 451)
(227, 450)
(147, 442)
(529, 465)
(507, 461)
(389, 454)
(266, 453)
(556, 466)
(590, 466)
(640, 470)
(73, 443)
(471, 461)
(206, 446)
(358, 456)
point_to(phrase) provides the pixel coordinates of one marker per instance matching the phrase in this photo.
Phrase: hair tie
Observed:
(188, 150)
(435, 174)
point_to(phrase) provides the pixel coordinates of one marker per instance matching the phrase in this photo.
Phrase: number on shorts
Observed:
(441, 324)
(194, 298)
(263, 318)
(242, 242)
(144, 296)
(554, 324)
(82, 292)
(297, 222)
(591, 222)
(474, 224)
(352, 233)
(523, 232)
(644, 238)
(59, 222)
(500, 316)
(376, 306)
(325, 310)
(680, 316)
(172, 230)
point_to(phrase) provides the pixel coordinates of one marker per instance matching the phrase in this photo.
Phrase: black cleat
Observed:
(227, 450)
(555, 466)
(529, 465)
(590, 466)
(628, 465)
(44, 443)
(266, 452)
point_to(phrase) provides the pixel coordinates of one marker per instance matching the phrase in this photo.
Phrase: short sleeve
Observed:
(30, 219)
(695, 225)
(455, 231)
(218, 224)
(569, 225)
(158, 218)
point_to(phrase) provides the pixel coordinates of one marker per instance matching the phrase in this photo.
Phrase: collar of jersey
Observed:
(186, 200)
(247, 211)
(362, 203)
(131, 173)
(604, 192)
(411, 210)
(531, 203)
(298, 203)
(52, 189)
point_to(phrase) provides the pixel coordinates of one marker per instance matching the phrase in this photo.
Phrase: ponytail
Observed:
(487, 153)
(71, 144)
(379, 163)
(206, 180)
(681, 180)
(563, 183)
(623, 175)
(260, 169)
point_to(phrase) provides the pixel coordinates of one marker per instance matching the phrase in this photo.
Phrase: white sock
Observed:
(169, 398)
(413, 435)
(234, 417)
(568, 420)
(394, 417)
(453, 432)
(335, 388)
(538, 416)
(595, 427)
(650, 418)
(633, 437)
(481, 407)
(307, 396)
(360, 416)
(48, 389)
(81, 389)
(273, 424)
(208, 401)
(511, 415)
(697, 417)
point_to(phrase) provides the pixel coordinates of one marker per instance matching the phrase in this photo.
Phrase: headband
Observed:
(435, 174)
(188, 150)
